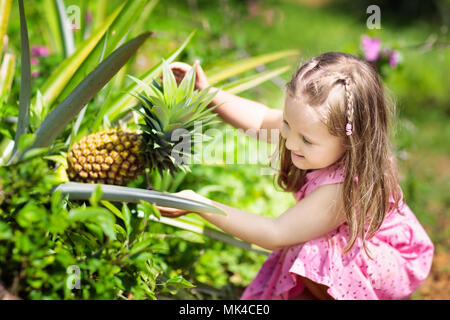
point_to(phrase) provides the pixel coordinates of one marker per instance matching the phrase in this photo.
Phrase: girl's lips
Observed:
(296, 155)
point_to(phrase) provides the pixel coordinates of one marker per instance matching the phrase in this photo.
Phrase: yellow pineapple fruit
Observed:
(112, 157)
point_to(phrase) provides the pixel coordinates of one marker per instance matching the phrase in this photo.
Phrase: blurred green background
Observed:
(229, 30)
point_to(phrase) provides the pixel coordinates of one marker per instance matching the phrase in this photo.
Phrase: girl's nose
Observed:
(292, 143)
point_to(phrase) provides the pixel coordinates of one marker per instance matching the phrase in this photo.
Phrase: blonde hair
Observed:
(351, 91)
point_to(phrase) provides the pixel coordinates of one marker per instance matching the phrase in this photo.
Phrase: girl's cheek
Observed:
(284, 131)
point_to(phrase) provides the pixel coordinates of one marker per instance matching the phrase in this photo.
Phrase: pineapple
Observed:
(111, 156)
(118, 156)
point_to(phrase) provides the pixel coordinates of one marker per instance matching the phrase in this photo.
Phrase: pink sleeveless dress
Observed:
(401, 250)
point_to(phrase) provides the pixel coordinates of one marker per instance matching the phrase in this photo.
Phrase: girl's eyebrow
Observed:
(311, 140)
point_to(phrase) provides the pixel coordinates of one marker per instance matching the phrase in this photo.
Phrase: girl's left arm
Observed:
(315, 215)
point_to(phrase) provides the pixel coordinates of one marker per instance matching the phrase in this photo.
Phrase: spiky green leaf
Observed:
(25, 79)
(124, 102)
(83, 191)
(226, 71)
(5, 9)
(61, 76)
(66, 111)
(169, 84)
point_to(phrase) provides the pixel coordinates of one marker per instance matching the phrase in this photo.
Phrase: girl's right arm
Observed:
(254, 118)
(317, 214)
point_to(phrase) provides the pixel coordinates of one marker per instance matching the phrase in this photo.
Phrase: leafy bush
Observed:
(54, 249)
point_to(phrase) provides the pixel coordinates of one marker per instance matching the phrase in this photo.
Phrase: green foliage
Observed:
(44, 239)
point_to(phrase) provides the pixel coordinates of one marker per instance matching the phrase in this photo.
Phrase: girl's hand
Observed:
(188, 194)
(180, 69)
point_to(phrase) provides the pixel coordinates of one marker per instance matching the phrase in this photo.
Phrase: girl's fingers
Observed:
(198, 68)
(180, 69)
(202, 79)
(171, 212)
(180, 66)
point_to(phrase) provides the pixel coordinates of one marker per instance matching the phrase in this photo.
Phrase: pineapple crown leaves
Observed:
(171, 103)
(166, 107)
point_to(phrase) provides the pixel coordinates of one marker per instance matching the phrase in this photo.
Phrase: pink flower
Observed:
(394, 58)
(34, 61)
(253, 8)
(40, 51)
(35, 73)
(371, 47)
(88, 17)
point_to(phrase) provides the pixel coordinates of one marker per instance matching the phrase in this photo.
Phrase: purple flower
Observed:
(394, 58)
(371, 47)
(40, 51)
(34, 61)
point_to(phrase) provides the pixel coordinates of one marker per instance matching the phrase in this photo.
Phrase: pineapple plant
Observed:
(116, 156)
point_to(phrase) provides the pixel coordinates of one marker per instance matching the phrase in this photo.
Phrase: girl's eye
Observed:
(304, 139)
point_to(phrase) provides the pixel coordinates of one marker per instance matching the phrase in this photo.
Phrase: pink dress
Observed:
(401, 250)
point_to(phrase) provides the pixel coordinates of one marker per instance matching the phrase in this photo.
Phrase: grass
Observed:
(425, 174)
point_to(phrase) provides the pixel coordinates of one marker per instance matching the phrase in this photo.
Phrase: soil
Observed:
(437, 285)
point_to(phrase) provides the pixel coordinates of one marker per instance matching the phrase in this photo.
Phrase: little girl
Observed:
(349, 235)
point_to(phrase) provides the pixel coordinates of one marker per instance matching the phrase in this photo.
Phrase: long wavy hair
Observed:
(344, 89)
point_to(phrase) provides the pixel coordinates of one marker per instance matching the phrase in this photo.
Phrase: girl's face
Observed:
(307, 138)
